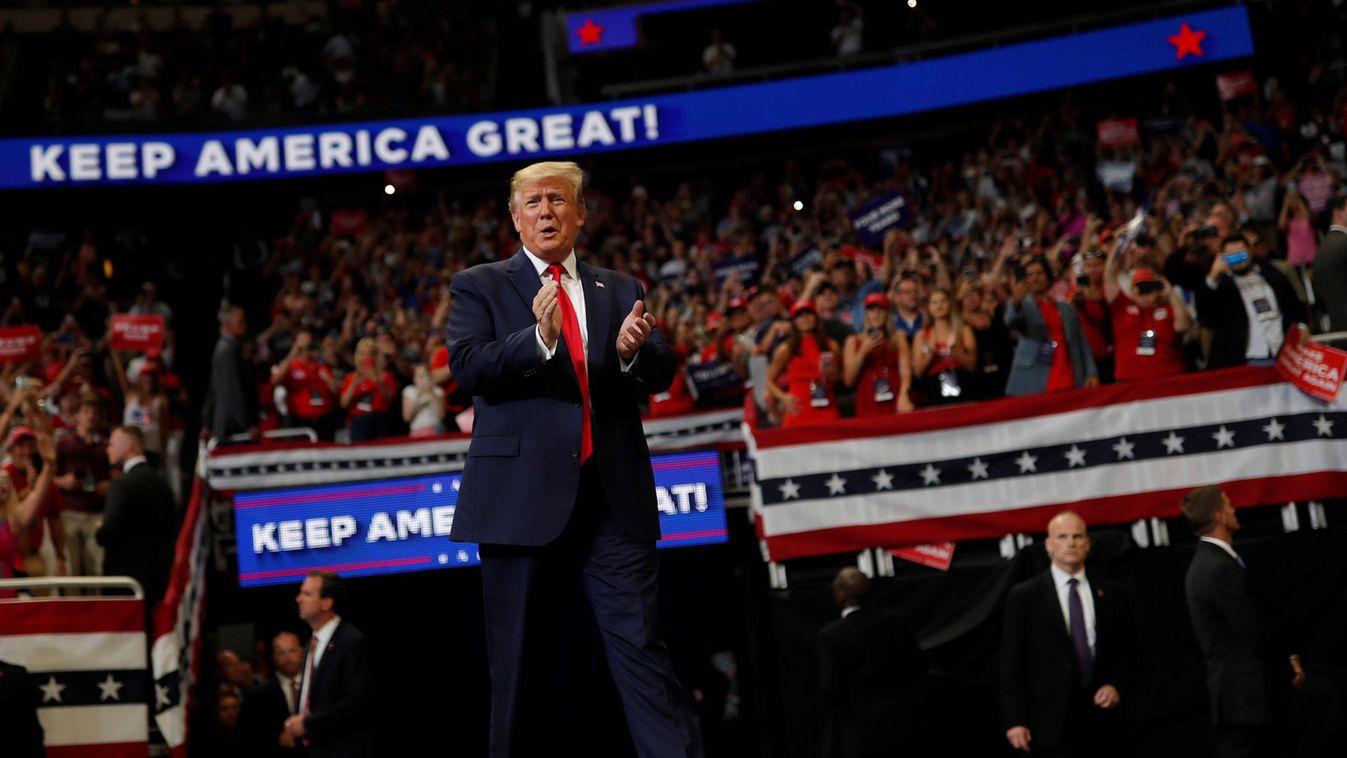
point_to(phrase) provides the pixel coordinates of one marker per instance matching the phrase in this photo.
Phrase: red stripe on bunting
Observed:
(1014, 408)
(100, 750)
(1119, 509)
(71, 616)
(166, 614)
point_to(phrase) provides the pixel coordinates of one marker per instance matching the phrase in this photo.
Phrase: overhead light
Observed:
(799, 205)
(388, 189)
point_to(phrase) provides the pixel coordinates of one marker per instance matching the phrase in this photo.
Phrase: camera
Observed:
(1146, 288)
(1083, 280)
(1204, 232)
(24, 382)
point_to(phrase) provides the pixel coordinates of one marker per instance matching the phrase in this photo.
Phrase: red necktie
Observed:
(570, 330)
(294, 695)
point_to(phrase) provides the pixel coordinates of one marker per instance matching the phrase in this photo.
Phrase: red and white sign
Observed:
(349, 223)
(1315, 369)
(872, 259)
(1236, 84)
(137, 334)
(1118, 132)
(937, 556)
(20, 343)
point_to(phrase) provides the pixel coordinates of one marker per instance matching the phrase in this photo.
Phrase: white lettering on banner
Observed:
(334, 149)
(343, 528)
(682, 498)
(121, 160)
(84, 163)
(429, 144)
(383, 146)
(381, 528)
(413, 522)
(315, 533)
(298, 152)
(286, 536)
(42, 163)
(213, 160)
(520, 134)
(155, 156)
(292, 535)
(263, 154)
(885, 215)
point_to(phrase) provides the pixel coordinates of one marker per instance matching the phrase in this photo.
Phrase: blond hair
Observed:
(567, 171)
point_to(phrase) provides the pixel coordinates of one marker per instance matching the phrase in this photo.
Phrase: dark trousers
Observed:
(618, 576)
(1247, 741)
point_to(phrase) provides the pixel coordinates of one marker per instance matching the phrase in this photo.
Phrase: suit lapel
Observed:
(597, 308)
(1049, 595)
(524, 277)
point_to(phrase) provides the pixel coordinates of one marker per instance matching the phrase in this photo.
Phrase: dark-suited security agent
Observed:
(1233, 632)
(557, 488)
(334, 694)
(1066, 652)
(870, 673)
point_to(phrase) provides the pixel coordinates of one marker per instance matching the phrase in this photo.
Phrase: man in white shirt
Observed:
(1233, 632)
(1066, 653)
(333, 718)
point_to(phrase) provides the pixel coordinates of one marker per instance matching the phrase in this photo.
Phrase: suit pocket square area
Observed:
(501, 445)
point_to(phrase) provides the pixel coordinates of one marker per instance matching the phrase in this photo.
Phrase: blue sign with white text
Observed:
(397, 525)
(872, 220)
(1041, 65)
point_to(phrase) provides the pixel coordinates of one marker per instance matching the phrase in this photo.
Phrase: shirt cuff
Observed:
(544, 354)
(627, 365)
(1212, 283)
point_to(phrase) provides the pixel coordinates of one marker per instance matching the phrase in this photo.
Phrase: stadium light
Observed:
(388, 189)
(799, 205)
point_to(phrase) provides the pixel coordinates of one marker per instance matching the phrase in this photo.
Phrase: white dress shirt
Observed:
(317, 646)
(132, 463)
(575, 290)
(287, 683)
(850, 609)
(1059, 580)
(1226, 546)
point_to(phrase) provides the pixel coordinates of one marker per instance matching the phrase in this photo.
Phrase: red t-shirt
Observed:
(1061, 377)
(1130, 321)
(50, 506)
(367, 398)
(1094, 315)
(306, 384)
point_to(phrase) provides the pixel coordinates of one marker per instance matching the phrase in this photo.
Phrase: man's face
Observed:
(119, 448)
(287, 655)
(87, 418)
(1228, 515)
(905, 294)
(311, 605)
(1068, 544)
(843, 276)
(227, 711)
(548, 218)
(826, 299)
(1235, 247)
(1037, 276)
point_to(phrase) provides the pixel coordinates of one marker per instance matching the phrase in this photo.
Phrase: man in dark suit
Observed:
(557, 486)
(20, 731)
(231, 404)
(1232, 631)
(267, 706)
(137, 529)
(333, 720)
(1330, 268)
(870, 673)
(1248, 305)
(1066, 653)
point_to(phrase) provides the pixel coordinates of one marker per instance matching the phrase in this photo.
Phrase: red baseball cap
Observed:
(21, 432)
(736, 303)
(877, 299)
(714, 319)
(801, 306)
(1144, 275)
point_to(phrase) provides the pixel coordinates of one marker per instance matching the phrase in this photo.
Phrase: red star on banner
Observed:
(1187, 41)
(590, 33)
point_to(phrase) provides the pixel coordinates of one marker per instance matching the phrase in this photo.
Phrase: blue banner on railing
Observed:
(1037, 66)
(397, 525)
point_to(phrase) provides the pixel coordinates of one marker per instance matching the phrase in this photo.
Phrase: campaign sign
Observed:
(137, 333)
(938, 555)
(1117, 132)
(876, 217)
(746, 267)
(398, 525)
(1316, 369)
(20, 343)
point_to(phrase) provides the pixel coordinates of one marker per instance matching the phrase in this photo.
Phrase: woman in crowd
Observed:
(944, 352)
(423, 404)
(367, 394)
(145, 405)
(808, 360)
(1148, 326)
(877, 362)
(1297, 224)
(17, 515)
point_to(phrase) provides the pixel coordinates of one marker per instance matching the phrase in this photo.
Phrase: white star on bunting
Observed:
(837, 485)
(51, 691)
(1324, 426)
(1075, 457)
(930, 475)
(1274, 429)
(160, 696)
(883, 480)
(1027, 463)
(111, 689)
(1224, 437)
(1173, 444)
(1124, 449)
(978, 469)
(789, 489)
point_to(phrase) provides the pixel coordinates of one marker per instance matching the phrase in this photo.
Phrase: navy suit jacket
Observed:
(523, 469)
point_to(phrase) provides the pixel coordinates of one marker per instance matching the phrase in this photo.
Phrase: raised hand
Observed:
(635, 329)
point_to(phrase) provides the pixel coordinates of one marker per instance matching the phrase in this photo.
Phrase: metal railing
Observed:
(75, 582)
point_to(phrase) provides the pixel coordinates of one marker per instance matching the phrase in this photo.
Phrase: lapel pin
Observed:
(598, 283)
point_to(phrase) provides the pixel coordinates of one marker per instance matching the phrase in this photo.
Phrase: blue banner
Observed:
(599, 29)
(528, 135)
(398, 525)
(878, 216)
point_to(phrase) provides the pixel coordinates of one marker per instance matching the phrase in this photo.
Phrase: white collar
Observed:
(323, 634)
(541, 265)
(1060, 577)
(1222, 544)
(1337, 228)
(850, 609)
(132, 463)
